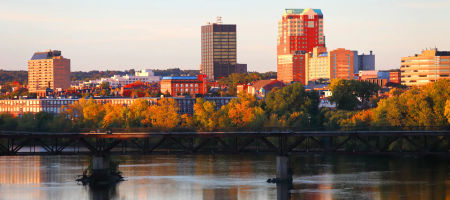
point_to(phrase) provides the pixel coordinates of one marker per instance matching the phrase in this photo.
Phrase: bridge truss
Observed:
(281, 143)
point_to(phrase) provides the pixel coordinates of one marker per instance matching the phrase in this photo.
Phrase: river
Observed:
(323, 177)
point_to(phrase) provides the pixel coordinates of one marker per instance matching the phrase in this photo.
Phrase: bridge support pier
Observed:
(100, 164)
(284, 177)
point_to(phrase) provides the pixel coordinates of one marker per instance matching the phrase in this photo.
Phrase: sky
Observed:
(142, 34)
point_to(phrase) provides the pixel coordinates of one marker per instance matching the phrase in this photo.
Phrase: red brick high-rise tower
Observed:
(299, 31)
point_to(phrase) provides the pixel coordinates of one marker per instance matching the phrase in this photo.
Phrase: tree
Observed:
(8, 122)
(235, 79)
(164, 114)
(115, 116)
(447, 110)
(293, 105)
(244, 112)
(349, 94)
(136, 113)
(93, 114)
(205, 115)
(417, 107)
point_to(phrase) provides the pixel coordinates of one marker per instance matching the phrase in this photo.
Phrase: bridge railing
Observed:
(282, 142)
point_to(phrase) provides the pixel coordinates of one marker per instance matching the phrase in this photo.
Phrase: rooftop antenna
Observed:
(219, 20)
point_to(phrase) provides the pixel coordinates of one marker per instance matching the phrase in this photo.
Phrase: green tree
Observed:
(293, 105)
(349, 94)
(8, 122)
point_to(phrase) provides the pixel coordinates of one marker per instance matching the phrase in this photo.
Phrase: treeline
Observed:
(95, 74)
(288, 108)
(427, 107)
(176, 72)
(11, 76)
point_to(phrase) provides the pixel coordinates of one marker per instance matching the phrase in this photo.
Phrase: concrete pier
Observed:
(284, 176)
(283, 168)
(100, 163)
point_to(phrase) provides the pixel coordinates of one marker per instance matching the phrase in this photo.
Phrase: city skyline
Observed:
(117, 36)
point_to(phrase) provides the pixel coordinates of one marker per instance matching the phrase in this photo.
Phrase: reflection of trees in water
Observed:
(370, 177)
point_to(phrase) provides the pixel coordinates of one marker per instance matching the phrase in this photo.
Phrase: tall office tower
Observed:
(424, 68)
(48, 69)
(218, 50)
(299, 31)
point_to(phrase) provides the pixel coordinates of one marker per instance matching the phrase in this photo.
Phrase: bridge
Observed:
(101, 145)
(279, 143)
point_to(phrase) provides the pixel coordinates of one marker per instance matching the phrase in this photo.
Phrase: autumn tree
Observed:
(447, 110)
(93, 114)
(417, 107)
(243, 112)
(164, 115)
(205, 115)
(136, 113)
(115, 116)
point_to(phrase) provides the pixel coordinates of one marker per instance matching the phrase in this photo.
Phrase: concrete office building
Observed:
(429, 66)
(48, 69)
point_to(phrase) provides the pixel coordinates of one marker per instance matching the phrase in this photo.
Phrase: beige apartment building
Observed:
(48, 69)
(338, 63)
(424, 68)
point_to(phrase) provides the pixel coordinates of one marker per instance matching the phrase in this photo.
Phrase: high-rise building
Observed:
(48, 69)
(424, 68)
(299, 31)
(218, 50)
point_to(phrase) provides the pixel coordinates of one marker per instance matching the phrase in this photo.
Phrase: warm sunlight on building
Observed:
(424, 68)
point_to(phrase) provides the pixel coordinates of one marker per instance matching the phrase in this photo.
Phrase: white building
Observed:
(145, 75)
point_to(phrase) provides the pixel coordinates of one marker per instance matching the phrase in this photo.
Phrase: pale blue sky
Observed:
(113, 34)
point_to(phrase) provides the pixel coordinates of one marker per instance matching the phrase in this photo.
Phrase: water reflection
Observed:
(230, 177)
(102, 193)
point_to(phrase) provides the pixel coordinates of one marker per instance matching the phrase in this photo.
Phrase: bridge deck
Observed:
(36, 143)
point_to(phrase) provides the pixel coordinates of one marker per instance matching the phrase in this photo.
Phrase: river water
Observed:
(230, 177)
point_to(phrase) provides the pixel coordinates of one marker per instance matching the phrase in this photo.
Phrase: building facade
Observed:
(218, 46)
(18, 107)
(48, 69)
(116, 81)
(261, 88)
(299, 31)
(427, 67)
(181, 85)
(395, 76)
(335, 64)
(366, 62)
